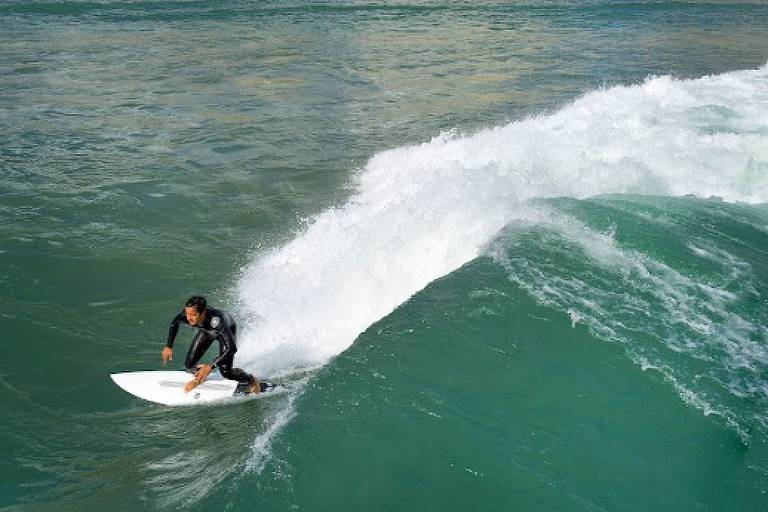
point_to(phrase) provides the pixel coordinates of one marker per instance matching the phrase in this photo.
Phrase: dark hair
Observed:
(197, 302)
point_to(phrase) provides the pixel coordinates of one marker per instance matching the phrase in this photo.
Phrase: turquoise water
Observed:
(510, 256)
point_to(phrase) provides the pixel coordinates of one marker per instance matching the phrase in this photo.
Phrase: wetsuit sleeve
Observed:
(173, 330)
(228, 347)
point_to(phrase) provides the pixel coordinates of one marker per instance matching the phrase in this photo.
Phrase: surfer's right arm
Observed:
(173, 330)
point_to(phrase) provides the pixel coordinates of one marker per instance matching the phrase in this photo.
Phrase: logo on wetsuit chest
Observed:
(215, 321)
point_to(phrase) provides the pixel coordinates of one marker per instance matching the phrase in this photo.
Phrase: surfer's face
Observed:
(194, 317)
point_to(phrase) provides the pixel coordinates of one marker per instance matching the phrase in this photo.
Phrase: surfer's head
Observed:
(195, 310)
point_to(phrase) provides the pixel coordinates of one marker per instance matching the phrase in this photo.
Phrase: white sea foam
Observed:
(422, 211)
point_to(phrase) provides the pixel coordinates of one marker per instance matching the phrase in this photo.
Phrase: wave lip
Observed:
(422, 211)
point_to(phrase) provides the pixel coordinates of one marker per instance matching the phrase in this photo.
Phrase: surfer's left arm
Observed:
(203, 370)
(228, 347)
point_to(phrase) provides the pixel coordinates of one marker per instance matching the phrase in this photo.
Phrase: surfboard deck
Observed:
(166, 387)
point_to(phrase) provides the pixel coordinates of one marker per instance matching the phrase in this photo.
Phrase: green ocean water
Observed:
(510, 256)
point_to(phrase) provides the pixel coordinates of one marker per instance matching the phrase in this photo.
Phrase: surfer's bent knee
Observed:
(237, 374)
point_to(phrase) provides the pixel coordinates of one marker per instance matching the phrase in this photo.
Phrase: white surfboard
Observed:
(167, 387)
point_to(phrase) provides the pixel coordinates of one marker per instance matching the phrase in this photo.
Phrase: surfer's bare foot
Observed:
(255, 387)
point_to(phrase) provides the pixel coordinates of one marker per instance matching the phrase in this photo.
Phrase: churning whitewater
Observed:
(419, 212)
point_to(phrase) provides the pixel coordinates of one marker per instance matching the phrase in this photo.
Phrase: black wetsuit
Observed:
(219, 325)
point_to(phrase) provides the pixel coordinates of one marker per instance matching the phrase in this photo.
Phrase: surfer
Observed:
(213, 324)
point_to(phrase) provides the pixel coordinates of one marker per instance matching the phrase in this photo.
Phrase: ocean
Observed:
(508, 256)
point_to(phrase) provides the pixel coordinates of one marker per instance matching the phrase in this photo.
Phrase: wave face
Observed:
(613, 341)
(538, 301)
(421, 211)
(678, 283)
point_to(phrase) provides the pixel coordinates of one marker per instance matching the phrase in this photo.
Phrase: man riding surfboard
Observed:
(212, 324)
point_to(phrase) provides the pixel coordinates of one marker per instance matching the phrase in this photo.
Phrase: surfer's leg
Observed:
(246, 381)
(200, 344)
(235, 374)
(226, 370)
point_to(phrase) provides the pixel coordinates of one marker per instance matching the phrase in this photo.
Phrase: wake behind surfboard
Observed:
(166, 387)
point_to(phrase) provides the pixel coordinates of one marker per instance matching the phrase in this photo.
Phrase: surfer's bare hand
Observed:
(202, 373)
(167, 355)
(191, 385)
(203, 370)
